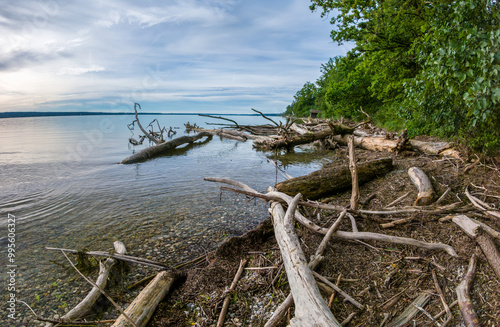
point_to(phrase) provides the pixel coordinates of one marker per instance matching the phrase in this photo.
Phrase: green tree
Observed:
(304, 101)
(457, 93)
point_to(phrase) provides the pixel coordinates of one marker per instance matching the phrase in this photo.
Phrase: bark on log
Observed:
(310, 308)
(144, 305)
(426, 194)
(463, 296)
(380, 143)
(290, 142)
(484, 241)
(159, 149)
(332, 180)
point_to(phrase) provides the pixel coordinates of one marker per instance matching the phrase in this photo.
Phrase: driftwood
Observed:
(150, 135)
(310, 308)
(426, 194)
(410, 311)
(484, 240)
(88, 302)
(225, 305)
(381, 143)
(280, 312)
(331, 180)
(463, 295)
(282, 197)
(159, 149)
(289, 143)
(144, 305)
(123, 257)
(482, 205)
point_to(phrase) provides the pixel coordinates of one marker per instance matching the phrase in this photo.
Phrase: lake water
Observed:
(61, 178)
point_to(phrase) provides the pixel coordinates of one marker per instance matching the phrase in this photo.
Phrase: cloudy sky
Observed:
(219, 56)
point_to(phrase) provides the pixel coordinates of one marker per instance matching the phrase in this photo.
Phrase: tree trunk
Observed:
(144, 305)
(332, 180)
(159, 149)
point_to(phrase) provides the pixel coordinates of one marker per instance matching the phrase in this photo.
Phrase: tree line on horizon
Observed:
(431, 67)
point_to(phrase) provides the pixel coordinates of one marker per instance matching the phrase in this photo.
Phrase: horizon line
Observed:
(27, 114)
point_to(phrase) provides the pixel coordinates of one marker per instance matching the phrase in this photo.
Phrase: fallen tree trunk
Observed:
(332, 180)
(144, 305)
(159, 149)
(290, 142)
(310, 308)
(380, 143)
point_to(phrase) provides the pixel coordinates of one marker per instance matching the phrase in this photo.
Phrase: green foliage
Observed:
(430, 66)
(459, 86)
(304, 101)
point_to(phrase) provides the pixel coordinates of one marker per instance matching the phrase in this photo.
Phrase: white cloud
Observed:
(170, 53)
(79, 70)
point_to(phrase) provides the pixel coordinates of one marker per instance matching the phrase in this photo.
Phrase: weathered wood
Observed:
(280, 311)
(144, 305)
(426, 194)
(484, 241)
(410, 311)
(88, 302)
(282, 197)
(310, 308)
(463, 295)
(123, 257)
(335, 179)
(159, 149)
(292, 141)
(381, 143)
(354, 175)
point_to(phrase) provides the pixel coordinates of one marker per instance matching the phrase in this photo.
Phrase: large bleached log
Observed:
(144, 305)
(380, 143)
(310, 308)
(159, 149)
(426, 194)
(335, 179)
(484, 241)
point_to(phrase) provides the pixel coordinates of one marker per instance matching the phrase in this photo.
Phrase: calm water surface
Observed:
(61, 179)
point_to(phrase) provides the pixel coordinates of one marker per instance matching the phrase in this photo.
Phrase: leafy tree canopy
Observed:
(430, 66)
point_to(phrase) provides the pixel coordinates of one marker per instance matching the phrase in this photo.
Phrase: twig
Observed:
(426, 313)
(397, 200)
(101, 290)
(341, 292)
(442, 197)
(348, 319)
(272, 121)
(441, 296)
(223, 312)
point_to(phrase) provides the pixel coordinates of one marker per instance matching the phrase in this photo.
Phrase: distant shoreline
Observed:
(27, 114)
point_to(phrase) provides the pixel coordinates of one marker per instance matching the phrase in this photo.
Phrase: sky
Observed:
(210, 56)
